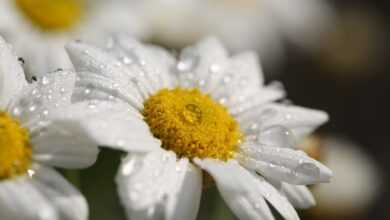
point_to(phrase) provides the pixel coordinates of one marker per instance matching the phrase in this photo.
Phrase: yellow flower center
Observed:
(191, 124)
(15, 149)
(52, 15)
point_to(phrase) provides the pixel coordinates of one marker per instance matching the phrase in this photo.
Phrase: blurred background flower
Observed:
(355, 186)
(39, 29)
(241, 24)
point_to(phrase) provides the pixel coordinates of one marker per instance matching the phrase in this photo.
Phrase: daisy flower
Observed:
(248, 24)
(357, 183)
(34, 135)
(39, 29)
(205, 111)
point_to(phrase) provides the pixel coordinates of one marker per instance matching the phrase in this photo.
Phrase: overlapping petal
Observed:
(301, 121)
(245, 192)
(159, 185)
(21, 200)
(12, 79)
(299, 196)
(66, 200)
(283, 164)
(37, 101)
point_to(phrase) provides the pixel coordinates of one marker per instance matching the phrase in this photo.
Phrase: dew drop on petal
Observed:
(45, 80)
(32, 108)
(214, 68)
(278, 136)
(308, 169)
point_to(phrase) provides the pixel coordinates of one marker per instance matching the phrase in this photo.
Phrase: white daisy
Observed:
(206, 111)
(248, 24)
(39, 29)
(34, 134)
(356, 185)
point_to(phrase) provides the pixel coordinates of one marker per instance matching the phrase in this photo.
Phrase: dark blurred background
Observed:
(349, 78)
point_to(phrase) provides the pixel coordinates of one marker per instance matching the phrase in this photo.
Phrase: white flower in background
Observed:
(34, 134)
(356, 185)
(39, 29)
(240, 24)
(206, 111)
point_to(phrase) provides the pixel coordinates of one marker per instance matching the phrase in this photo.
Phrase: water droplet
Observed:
(214, 68)
(32, 108)
(278, 136)
(126, 60)
(187, 64)
(120, 143)
(257, 205)
(227, 79)
(34, 92)
(45, 112)
(30, 173)
(128, 167)
(45, 80)
(222, 101)
(178, 168)
(142, 62)
(16, 111)
(254, 126)
(288, 116)
(308, 169)
(201, 83)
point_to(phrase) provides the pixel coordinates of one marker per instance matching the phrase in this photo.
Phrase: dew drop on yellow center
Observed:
(52, 15)
(191, 124)
(15, 149)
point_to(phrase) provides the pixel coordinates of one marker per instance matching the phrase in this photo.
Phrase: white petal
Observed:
(283, 164)
(262, 96)
(94, 86)
(277, 136)
(159, 186)
(57, 58)
(299, 196)
(155, 62)
(241, 79)
(244, 191)
(202, 64)
(21, 200)
(185, 203)
(83, 126)
(124, 78)
(12, 79)
(51, 91)
(68, 202)
(63, 143)
(301, 121)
